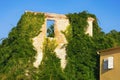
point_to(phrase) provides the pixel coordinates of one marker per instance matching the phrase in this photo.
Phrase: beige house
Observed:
(110, 64)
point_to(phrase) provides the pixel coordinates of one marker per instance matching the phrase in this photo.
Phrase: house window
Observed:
(105, 64)
(108, 63)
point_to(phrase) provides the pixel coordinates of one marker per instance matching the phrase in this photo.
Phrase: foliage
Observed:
(17, 52)
(68, 33)
(83, 62)
(115, 36)
(50, 66)
(50, 31)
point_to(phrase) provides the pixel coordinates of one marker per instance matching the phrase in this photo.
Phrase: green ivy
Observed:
(17, 52)
(83, 61)
(50, 67)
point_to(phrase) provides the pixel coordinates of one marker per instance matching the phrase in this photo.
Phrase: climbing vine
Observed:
(83, 61)
(50, 67)
(17, 52)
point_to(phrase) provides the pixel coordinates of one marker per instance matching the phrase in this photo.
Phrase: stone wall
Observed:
(61, 23)
(90, 26)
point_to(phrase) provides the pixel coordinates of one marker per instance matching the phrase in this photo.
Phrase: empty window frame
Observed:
(50, 28)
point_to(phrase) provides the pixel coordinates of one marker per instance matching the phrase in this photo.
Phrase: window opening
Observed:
(50, 28)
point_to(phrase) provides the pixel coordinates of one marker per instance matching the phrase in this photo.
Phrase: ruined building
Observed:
(60, 24)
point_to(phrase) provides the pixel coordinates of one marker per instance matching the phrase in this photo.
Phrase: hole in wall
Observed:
(50, 28)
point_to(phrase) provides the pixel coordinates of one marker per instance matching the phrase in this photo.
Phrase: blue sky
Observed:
(107, 11)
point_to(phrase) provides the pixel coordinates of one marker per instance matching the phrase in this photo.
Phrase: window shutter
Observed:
(110, 62)
(105, 64)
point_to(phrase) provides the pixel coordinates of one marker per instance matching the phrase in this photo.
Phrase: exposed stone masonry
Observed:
(61, 23)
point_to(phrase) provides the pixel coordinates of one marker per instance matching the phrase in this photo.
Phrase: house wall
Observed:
(110, 74)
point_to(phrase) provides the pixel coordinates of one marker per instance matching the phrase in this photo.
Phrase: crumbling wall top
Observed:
(51, 15)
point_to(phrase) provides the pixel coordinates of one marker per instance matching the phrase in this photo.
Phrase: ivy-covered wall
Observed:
(17, 52)
(83, 61)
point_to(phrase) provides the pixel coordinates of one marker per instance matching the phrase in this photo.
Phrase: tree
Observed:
(50, 31)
